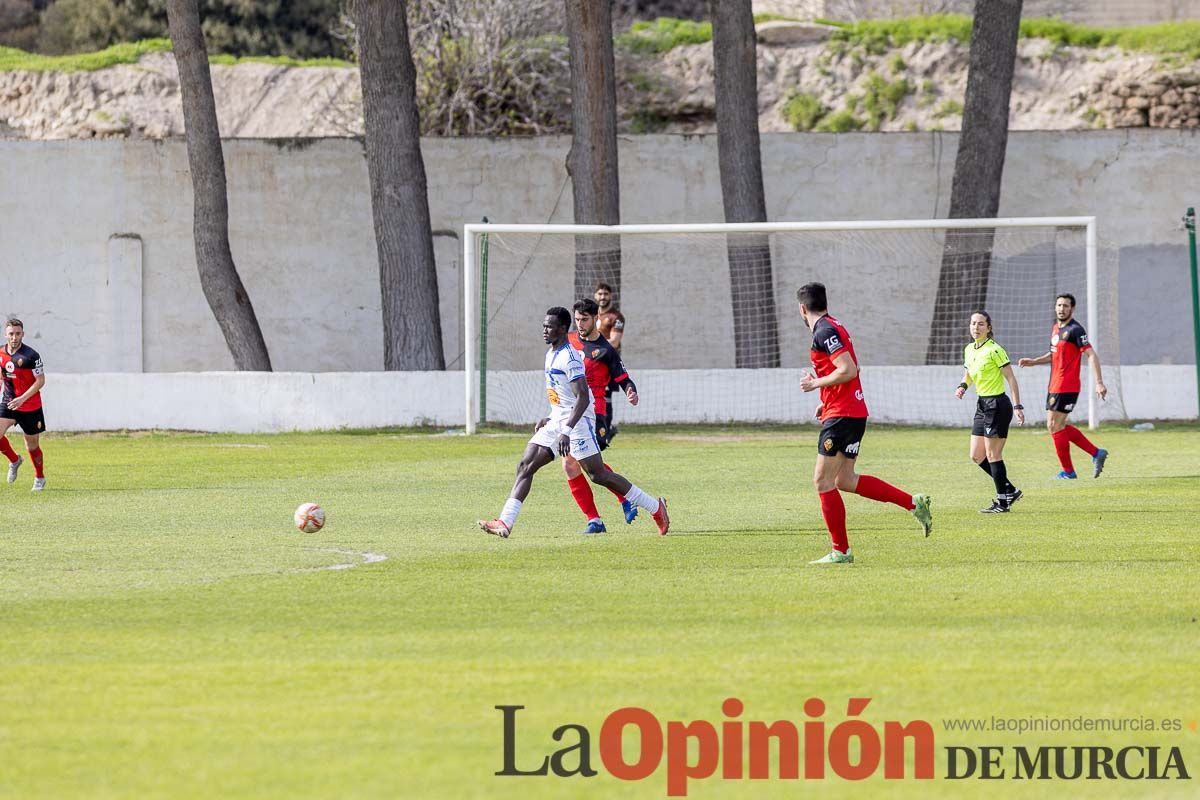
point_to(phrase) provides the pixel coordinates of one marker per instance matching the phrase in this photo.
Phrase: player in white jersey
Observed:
(569, 430)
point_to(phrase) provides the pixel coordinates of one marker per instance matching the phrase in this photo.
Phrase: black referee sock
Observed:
(1000, 478)
(986, 467)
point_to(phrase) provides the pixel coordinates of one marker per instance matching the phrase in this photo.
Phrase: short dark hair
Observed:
(1070, 297)
(812, 295)
(561, 314)
(587, 305)
(15, 323)
(603, 286)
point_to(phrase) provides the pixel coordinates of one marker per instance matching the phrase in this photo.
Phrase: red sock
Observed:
(582, 493)
(620, 497)
(7, 450)
(35, 455)
(874, 489)
(1079, 440)
(1062, 446)
(834, 511)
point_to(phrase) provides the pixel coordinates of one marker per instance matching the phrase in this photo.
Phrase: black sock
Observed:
(1000, 478)
(986, 467)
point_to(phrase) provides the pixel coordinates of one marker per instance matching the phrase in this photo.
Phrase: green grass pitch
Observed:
(164, 631)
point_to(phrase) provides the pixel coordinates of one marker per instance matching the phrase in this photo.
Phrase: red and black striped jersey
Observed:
(830, 338)
(601, 365)
(1067, 343)
(20, 370)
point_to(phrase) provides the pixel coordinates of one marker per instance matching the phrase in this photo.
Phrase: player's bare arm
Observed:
(1033, 362)
(845, 370)
(1011, 377)
(962, 387)
(1094, 360)
(38, 382)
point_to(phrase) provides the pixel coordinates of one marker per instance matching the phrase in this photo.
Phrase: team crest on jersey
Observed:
(1053, 399)
(828, 444)
(596, 353)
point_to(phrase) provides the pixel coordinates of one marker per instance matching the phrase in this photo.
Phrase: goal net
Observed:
(713, 333)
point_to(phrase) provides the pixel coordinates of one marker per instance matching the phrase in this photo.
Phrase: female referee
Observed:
(987, 366)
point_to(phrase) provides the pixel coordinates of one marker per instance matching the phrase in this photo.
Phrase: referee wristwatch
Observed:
(1018, 407)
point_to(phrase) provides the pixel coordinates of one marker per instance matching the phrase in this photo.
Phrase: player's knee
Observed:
(824, 484)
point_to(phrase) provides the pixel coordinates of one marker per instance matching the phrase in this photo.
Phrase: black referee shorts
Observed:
(993, 415)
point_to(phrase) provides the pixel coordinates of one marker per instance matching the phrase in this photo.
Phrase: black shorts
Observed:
(993, 415)
(1062, 401)
(31, 422)
(841, 435)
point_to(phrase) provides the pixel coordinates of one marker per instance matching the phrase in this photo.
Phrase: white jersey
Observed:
(563, 366)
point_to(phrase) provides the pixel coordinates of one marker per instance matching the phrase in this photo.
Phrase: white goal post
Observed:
(513, 272)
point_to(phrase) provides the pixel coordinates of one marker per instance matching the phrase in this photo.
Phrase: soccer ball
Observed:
(309, 518)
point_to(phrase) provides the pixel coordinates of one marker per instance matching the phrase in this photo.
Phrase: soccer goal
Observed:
(713, 334)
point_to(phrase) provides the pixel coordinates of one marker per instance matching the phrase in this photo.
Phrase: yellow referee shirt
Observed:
(983, 363)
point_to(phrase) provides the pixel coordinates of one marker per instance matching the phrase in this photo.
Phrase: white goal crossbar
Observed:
(471, 286)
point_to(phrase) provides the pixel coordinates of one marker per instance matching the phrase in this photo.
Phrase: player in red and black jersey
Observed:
(1068, 343)
(611, 324)
(843, 415)
(21, 400)
(602, 367)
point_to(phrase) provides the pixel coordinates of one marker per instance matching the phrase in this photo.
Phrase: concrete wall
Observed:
(89, 228)
(246, 402)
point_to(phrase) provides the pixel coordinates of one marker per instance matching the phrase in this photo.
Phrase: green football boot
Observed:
(923, 511)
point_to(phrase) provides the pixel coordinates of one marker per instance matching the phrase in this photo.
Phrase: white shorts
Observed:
(583, 438)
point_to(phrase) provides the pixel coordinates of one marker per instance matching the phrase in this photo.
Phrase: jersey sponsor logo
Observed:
(1083, 340)
(858, 395)
(9, 366)
(834, 343)
(1054, 340)
(852, 449)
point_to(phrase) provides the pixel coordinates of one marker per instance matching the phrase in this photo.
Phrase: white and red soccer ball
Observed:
(309, 518)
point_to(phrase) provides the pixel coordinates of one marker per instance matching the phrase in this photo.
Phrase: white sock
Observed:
(642, 499)
(508, 516)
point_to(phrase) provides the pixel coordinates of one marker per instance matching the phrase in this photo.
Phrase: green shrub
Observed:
(803, 111)
(882, 99)
(842, 121)
(948, 108)
(664, 34)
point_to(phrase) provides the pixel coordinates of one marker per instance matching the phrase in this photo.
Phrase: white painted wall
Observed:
(302, 235)
(244, 402)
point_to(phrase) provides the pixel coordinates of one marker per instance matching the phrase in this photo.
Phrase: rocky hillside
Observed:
(807, 81)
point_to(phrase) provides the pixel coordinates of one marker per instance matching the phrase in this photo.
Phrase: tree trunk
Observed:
(978, 168)
(592, 161)
(218, 274)
(755, 324)
(412, 328)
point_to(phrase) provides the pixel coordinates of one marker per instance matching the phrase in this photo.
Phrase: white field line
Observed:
(367, 558)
